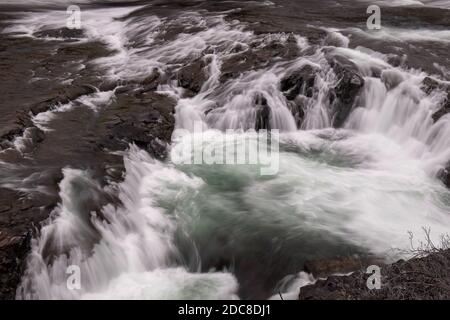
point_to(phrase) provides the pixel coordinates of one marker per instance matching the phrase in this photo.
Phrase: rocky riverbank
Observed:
(425, 278)
(90, 139)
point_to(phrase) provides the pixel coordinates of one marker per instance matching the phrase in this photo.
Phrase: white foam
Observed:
(135, 241)
(92, 101)
(405, 35)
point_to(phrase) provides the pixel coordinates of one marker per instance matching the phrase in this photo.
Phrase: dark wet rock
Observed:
(35, 134)
(425, 278)
(443, 110)
(428, 86)
(340, 265)
(31, 134)
(258, 55)
(396, 60)
(347, 90)
(298, 107)
(444, 175)
(145, 119)
(83, 50)
(8, 133)
(126, 88)
(63, 96)
(299, 82)
(13, 250)
(193, 76)
(19, 215)
(232, 67)
(152, 81)
(64, 33)
(23, 117)
(235, 65)
(263, 113)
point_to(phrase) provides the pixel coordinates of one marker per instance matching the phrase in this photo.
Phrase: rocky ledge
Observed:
(430, 86)
(426, 278)
(92, 140)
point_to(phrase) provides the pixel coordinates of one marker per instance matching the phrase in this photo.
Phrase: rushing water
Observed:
(204, 231)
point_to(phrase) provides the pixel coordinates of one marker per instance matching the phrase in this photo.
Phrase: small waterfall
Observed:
(362, 185)
(239, 110)
(404, 114)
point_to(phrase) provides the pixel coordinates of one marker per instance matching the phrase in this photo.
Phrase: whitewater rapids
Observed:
(355, 190)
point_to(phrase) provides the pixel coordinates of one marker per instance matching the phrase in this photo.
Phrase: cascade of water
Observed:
(344, 184)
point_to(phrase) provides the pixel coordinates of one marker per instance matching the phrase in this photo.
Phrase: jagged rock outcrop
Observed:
(425, 278)
(64, 95)
(298, 87)
(19, 217)
(145, 119)
(263, 113)
(347, 91)
(259, 54)
(299, 82)
(339, 265)
(23, 121)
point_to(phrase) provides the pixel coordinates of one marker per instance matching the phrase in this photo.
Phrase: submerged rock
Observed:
(260, 54)
(444, 176)
(443, 110)
(193, 76)
(428, 86)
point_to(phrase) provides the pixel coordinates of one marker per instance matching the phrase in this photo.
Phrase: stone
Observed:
(299, 82)
(263, 113)
(193, 76)
(347, 90)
